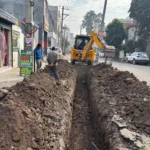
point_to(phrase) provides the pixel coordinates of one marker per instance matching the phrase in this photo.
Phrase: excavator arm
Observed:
(88, 46)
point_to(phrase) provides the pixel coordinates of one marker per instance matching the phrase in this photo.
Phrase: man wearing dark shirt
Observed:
(52, 60)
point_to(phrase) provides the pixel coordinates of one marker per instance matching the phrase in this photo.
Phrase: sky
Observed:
(78, 8)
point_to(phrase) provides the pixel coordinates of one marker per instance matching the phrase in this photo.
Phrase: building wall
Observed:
(20, 45)
(6, 39)
(17, 8)
(66, 33)
(72, 40)
(131, 33)
(56, 20)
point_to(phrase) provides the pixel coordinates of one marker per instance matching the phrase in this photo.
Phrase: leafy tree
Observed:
(115, 33)
(140, 11)
(130, 46)
(90, 20)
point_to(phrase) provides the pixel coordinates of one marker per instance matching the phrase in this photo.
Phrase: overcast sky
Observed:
(78, 8)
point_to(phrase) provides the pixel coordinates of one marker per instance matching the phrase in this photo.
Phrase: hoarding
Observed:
(26, 62)
(100, 33)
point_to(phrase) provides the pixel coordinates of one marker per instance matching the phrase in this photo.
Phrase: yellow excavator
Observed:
(82, 50)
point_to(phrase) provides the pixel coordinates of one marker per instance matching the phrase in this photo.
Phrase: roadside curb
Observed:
(10, 82)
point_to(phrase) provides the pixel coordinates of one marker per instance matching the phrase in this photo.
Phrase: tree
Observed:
(90, 20)
(115, 33)
(130, 46)
(140, 11)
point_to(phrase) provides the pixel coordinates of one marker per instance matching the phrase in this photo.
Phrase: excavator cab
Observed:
(83, 51)
(78, 50)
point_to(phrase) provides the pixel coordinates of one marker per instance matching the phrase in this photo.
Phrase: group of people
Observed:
(51, 59)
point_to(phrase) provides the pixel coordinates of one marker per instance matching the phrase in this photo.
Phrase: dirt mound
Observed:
(65, 70)
(120, 98)
(37, 113)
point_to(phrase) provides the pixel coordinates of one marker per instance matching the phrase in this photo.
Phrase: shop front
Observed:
(6, 53)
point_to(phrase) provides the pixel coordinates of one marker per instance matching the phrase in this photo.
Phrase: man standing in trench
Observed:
(52, 60)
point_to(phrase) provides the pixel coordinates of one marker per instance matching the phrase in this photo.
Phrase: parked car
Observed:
(138, 57)
(101, 54)
(58, 50)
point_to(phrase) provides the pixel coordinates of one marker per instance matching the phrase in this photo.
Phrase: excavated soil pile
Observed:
(36, 114)
(121, 106)
(64, 69)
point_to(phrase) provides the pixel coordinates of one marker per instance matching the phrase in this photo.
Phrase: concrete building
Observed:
(131, 28)
(127, 22)
(6, 54)
(41, 15)
(66, 37)
(66, 33)
(18, 44)
(132, 32)
(55, 26)
(72, 40)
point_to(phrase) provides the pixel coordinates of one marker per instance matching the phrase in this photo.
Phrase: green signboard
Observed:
(26, 62)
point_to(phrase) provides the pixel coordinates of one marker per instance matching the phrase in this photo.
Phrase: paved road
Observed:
(140, 71)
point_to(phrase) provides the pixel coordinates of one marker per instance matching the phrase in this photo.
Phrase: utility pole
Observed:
(63, 18)
(29, 45)
(80, 29)
(62, 28)
(103, 17)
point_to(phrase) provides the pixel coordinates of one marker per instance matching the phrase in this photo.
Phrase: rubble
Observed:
(120, 105)
(36, 113)
(111, 111)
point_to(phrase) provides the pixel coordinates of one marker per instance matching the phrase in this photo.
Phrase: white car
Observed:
(58, 50)
(101, 54)
(138, 57)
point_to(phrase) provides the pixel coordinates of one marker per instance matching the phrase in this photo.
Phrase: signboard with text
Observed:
(26, 62)
(100, 33)
(28, 40)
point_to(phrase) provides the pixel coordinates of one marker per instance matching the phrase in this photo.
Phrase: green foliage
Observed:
(90, 20)
(130, 46)
(115, 33)
(140, 11)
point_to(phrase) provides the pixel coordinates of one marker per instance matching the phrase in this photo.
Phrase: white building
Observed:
(127, 21)
(132, 32)
(55, 26)
(131, 28)
(72, 40)
(66, 33)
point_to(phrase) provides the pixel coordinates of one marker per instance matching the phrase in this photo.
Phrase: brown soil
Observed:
(36, 114)
(120, 93)
(82, 133)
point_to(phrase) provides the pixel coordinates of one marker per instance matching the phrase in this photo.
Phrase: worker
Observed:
(38, 56)
(52, 60)
(82, 44)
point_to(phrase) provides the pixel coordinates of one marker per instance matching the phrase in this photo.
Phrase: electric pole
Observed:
(29, 45)
(80, 29)
(63, 18)
(62, 28)
(104, 13)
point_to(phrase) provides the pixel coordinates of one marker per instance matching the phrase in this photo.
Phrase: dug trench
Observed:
(94, 108)
(82, 135)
